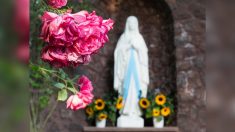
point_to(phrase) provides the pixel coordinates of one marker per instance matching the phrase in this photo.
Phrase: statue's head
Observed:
(132, 23)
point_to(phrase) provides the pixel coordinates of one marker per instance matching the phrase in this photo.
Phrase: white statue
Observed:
(131, 75)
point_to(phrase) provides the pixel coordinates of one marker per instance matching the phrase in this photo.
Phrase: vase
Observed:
(101, 123)
(158, 122)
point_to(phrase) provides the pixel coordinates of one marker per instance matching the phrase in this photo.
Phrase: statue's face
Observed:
(133, 24)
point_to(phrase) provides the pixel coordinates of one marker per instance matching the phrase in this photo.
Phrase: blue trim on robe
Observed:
(131, 71)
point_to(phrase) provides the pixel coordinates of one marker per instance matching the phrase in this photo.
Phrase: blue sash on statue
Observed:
(131, 71)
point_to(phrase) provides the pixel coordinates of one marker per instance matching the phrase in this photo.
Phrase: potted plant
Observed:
(98, 111)
(102, 110)
(157, 107)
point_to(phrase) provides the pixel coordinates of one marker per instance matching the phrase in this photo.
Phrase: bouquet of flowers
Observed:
(97, 110)
(106, 108)
(157, 106)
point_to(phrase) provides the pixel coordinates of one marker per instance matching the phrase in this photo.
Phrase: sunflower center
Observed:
(99, 104)
(144, 103)
(160, 99)
(120, 102)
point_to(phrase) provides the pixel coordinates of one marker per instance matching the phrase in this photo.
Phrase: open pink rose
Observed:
(75, 103)
(57, 3)
(80, 100)
(83, 97)
(86, 89)
(85, 84)
(73, 38)
(86, 97)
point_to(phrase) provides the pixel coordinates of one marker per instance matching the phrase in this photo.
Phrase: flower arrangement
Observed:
(157, 106)
(104, 108)
(97, 110)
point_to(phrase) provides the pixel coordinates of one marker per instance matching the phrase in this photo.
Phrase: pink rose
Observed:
(77, 36)
(75, 103)
(79, 100)
(86, 97)
(82, 98)
(59, 57)
(57, 3)
(85, 84)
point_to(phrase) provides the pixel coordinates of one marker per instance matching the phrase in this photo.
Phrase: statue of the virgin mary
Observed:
(131, 75)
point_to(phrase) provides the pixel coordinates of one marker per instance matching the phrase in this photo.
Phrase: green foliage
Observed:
(148, 113)
(111, 109)
(43, 101)
(59, 85)
(62, 95)
(45, 84)
(84, 5)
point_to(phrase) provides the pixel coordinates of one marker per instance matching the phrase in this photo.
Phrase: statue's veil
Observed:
(135, 34)
(131, 21)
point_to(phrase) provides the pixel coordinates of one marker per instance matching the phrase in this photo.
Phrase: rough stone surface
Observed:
(174, 31)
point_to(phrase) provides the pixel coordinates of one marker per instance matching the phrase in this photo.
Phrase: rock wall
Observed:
(189, 25)
(174, 32)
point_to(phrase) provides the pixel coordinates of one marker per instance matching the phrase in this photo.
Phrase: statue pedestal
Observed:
(130, 122)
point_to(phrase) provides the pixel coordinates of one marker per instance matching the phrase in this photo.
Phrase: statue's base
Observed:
(130, 122)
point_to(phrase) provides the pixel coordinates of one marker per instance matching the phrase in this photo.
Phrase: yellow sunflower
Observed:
(156, 112)
(165, 111)
(144, 103)
(119, 104)
(160, 99)
(102, 116)
(89, 111)
(99, 104)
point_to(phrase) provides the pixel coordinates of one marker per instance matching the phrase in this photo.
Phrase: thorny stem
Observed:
(56, 75)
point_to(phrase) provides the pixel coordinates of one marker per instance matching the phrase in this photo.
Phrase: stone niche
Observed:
(157, 27)
(182, 37)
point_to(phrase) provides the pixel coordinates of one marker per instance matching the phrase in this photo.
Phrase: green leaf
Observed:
(72, 90)
(148, 113)
(76, 77)
(62, 95)
(62, 73)
(43, 101)
(34, 68)
(59, 85)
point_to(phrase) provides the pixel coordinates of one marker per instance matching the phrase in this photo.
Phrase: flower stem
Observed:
(50, 113)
